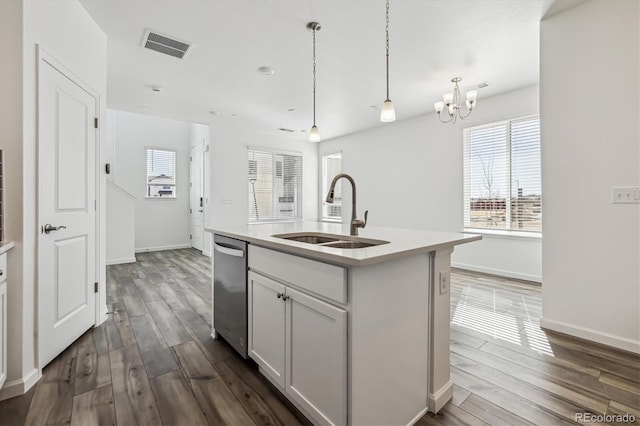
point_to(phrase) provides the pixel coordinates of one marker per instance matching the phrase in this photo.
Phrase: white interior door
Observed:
(66, 252)
(197, 194)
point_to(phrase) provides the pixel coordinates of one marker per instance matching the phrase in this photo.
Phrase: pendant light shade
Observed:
(314, 133)
(388, 111)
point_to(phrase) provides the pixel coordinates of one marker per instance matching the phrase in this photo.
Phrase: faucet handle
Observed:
(359, 223)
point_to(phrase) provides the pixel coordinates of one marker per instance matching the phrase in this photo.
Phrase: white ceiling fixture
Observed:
(388, 111)
(165, 44)
(314, 134)
(268, 71)
(156, 89)
(453, 101)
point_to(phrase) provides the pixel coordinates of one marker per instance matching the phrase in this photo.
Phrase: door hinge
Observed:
(190, 237)
(190, 211)
(95, 205)
(95, 287)
(95, 122)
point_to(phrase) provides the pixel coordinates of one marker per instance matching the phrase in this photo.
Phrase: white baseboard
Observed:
(19, 386)
(161, 248)
(619, 342)
(500, 272)
(121, 261)
(206, 253)
(418, 417)
(440, 397)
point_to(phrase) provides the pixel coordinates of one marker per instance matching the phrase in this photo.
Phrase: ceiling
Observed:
(431, 41)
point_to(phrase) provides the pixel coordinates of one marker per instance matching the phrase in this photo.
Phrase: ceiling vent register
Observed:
(166, 44)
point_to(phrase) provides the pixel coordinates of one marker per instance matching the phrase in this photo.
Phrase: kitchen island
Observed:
(351, 335)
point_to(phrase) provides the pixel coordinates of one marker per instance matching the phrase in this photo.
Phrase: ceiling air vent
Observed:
(165, 44)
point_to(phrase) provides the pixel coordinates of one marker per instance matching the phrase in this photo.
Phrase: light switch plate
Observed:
(625, 195)
(444, 282)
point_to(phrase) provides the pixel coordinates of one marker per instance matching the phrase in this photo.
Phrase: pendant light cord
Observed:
(387, 32)
(314, 76)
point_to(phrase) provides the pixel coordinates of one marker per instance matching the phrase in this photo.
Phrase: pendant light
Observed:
(314, 134)
(388, 112)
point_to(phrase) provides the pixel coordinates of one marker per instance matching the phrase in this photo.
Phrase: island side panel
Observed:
(388, 330)
(440, 386)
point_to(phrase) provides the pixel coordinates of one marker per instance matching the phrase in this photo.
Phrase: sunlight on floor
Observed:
(501, 316)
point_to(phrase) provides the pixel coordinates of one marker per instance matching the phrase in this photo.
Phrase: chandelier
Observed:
(452, 103)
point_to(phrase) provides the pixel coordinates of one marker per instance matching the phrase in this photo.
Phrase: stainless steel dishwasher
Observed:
(230, 291)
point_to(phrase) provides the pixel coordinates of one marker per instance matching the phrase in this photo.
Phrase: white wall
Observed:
(229, 172)
(409, 175)
(161, 224)
(65, 31)
(589, 91)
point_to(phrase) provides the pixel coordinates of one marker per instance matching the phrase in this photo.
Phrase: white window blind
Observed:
(331, 166)
(161, 173)
(275, 186)
(502, 176)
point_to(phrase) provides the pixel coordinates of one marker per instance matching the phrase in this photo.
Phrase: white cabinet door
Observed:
(3, 332)
(316, 357)
(267, 325)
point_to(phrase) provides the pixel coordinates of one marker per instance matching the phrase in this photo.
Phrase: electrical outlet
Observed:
(625, 195)
(444, 282)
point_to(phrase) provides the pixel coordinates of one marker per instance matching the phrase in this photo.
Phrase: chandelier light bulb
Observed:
(472, 95)
(439, 106)
(314, 134)
(388, 112)
(447, 98)
(455, 105)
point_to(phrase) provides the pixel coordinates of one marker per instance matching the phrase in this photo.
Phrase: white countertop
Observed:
(402, 242)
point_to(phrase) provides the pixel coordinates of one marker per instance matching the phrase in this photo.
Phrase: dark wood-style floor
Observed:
(154, 362)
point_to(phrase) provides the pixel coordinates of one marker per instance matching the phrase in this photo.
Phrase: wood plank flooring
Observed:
(153, 361)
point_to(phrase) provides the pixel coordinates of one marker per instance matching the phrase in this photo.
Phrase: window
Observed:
(161, 173)
(275, 186)
(502, 177)
(331, 166)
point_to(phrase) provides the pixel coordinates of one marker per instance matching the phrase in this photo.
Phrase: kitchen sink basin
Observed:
(331, 240)
(311, 239)
(352, 244)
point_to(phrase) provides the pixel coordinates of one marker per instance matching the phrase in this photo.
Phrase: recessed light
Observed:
(282, 129)
(214, 113)
(374, 106)
(266, 70)
(304, 131)
(291, 110)
(234, 114)
(157, 89)
(482, 85)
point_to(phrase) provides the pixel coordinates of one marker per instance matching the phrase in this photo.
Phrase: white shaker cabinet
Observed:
(300, 343)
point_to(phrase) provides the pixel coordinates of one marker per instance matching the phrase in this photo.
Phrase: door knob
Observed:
(48, 228)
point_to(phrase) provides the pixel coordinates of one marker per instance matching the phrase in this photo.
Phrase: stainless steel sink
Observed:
(331, 240)
(310, 239)
(352, 244)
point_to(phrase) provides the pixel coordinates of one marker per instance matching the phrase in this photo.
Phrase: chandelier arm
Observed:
(448, 121)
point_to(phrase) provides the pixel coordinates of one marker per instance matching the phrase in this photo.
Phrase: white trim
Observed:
(121, 189)
(418, 416)
(503, 233)
(20, 386)
(499, 272)
(102, 319)
(161, 248)
(274, 150)
(440, 397)
(206, 253)
(607, 339)
(121, 261)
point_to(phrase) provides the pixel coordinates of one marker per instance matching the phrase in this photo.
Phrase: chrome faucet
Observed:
(355, 223)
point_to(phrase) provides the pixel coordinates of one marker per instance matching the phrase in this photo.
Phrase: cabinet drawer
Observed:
(320, 278)
(3, 266)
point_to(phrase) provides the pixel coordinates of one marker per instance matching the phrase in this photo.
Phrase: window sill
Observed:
(160, 198)
(516, 235)
(326, 219)
(271, 221)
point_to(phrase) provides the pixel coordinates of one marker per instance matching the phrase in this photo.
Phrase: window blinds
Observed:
(161, 173)
(502, 176)
(274, 186)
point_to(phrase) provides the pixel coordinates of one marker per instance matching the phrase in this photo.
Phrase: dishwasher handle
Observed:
(229, 251)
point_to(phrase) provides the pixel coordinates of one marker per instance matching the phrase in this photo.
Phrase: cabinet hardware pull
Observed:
(279, 295)
(285, 298)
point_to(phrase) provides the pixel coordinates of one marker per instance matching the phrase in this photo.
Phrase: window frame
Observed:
(324, 188)
(175, 172)
(509, 232)
(274, 152)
